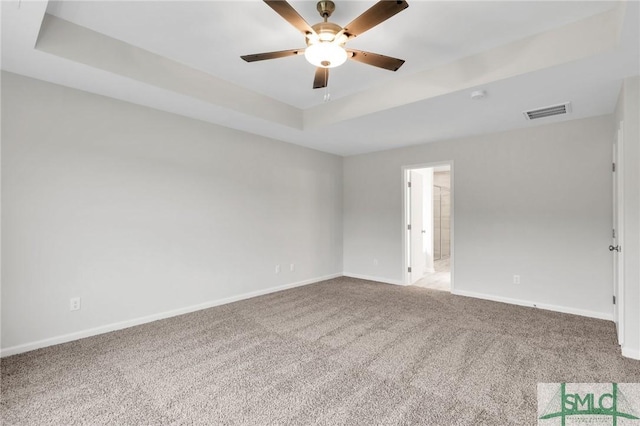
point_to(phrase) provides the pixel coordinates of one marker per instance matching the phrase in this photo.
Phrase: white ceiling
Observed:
(371, 109)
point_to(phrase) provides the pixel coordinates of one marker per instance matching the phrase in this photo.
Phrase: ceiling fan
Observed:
(326, 40)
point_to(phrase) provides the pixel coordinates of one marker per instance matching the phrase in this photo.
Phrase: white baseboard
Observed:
(370, 278)
(555, 308)
(13, 350)
(630, 353)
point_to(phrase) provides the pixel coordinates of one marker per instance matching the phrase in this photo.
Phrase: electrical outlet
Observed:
(292, 267)
(516, 279)
(74, 304)
(277, 269)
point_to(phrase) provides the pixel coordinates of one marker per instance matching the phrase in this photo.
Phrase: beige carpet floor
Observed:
(340, 352)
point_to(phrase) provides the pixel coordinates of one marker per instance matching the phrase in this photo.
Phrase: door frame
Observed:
(406, 241)
(618, 211)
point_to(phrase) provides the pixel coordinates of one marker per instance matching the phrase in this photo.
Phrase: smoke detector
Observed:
(478, 94)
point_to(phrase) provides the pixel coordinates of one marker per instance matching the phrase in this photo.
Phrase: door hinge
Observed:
(614, 167)
(409, 269)
(409, 184)
(613, 234)
(614, 300)
(409, 227)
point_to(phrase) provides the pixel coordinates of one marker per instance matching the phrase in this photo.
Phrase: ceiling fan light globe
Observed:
(325, 55)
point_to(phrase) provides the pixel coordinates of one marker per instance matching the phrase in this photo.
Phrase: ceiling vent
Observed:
(549, 111)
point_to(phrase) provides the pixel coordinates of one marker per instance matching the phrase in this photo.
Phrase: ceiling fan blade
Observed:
(375, 15)
(375, 59)
(321, 79)
(272, 55)
(287, 11)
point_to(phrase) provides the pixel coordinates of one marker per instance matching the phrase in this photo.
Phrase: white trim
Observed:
(378, 279)
(519, 302)
(631, 353)
(26, 347)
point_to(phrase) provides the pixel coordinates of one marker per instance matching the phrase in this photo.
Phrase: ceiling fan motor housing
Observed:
(326, 31)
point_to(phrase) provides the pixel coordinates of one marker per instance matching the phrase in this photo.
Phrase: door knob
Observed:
(616, 248)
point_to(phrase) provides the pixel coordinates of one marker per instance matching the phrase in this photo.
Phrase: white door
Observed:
(417, 232)
(617, 236)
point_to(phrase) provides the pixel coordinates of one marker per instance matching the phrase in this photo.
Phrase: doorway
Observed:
(429, 226)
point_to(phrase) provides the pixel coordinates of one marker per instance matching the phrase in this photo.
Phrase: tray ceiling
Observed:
(184, 57)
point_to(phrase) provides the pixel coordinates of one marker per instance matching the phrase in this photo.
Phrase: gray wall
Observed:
(141, 212)
(628, 111)
(534, 202)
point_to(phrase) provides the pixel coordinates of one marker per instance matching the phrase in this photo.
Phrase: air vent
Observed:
(549, 111)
